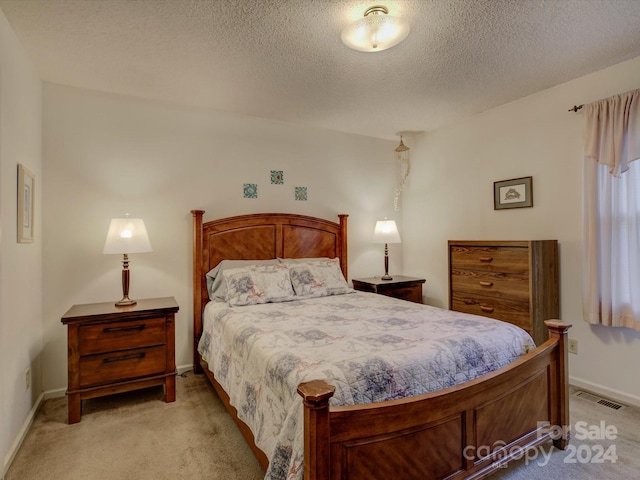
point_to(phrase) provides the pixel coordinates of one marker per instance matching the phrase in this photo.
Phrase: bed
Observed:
(466, 430)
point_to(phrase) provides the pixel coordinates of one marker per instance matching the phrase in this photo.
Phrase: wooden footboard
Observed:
(466, 431)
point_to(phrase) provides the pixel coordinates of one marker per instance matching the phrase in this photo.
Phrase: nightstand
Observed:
(405, 288)
(116, 349)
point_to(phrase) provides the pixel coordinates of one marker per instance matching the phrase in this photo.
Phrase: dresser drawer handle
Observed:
(486, 259)
(124, 329)
(125, 357)
(486, 308)
(484, 283)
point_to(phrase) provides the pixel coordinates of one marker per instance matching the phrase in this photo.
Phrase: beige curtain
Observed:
(611, 194)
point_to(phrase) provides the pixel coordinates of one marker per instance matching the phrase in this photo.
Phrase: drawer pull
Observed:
(486, 308)
(484, 283)
(486, 259)
(140, 356)
(124, 329)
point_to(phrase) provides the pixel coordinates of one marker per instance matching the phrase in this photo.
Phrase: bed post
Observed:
(560, 382)
(197, 285)
(343, 244)
(317, 453)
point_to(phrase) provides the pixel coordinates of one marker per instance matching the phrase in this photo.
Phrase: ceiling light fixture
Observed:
(375, 32)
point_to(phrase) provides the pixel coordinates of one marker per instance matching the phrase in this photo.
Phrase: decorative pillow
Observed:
(216, 285)
(318, 278)
(258, 284)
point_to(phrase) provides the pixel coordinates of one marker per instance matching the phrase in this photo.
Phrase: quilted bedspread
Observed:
(372, 348)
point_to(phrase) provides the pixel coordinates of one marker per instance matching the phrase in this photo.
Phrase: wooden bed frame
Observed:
(466, 431)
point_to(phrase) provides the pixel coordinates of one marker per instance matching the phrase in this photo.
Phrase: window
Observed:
(611, 276)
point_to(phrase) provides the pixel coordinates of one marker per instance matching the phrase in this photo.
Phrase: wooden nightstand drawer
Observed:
(109, 337)
(413, 294)
(495, 259)
(514, 286)
(107, 367)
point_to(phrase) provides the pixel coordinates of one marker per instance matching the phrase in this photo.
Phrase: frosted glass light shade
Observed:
(375, 32)
(386, 231)
(127, 235)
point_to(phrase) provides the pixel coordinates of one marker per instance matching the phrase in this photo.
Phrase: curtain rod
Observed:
(576, 108)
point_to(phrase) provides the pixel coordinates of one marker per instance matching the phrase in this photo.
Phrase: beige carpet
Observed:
(136, 436)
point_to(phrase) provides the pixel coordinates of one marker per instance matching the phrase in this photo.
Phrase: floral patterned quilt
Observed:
(372, 348)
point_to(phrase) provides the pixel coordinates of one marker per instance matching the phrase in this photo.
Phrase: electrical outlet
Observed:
(573, 346)
(27, 378)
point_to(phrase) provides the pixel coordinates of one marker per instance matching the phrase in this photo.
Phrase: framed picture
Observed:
(26, 186)
(515, 193)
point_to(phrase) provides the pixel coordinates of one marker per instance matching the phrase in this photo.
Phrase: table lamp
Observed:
(386, 232)
(125, 236)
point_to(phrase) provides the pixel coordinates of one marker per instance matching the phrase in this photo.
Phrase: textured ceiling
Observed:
(283, 59)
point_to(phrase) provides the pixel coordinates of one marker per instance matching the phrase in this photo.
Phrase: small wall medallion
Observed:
(301, 193)
(250, 190)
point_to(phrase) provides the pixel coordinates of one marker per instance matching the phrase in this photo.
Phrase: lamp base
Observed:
(386, 275)
(125, 302)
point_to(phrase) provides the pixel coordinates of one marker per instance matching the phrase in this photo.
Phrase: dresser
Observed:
(116, 349)
(405, 288)
(513, 281)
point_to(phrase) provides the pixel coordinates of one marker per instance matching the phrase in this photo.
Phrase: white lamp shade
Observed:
(375, 33)
(127, 235)
(386, 231)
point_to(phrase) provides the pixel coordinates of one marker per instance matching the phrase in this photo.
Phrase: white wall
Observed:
(20, 264)
(107, 155)
(450, 197)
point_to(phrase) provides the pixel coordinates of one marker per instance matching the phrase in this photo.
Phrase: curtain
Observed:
(611, 200)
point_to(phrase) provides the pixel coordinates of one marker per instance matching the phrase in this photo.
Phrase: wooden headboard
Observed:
(259, 236)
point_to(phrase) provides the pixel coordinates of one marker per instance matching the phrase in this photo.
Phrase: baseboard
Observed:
(60, 392)
(609, 393)
(22, 433)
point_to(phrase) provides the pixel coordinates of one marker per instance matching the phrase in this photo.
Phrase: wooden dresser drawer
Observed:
(109, 337)
(514, 286)
(500, 309)
(123, 365)
(495, 259)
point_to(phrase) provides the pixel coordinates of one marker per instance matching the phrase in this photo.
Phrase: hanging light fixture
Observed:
(375, 32)
(402, 157)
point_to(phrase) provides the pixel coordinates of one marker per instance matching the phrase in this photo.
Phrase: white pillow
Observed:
(216, 285)
(318, 278)
(258, 284)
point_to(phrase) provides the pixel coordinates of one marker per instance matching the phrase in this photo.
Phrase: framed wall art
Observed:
(514, 193)
(26, 192)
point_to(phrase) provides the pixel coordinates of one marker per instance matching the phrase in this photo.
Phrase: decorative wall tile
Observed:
(277, 177)
(250, 190)
(301, 193)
